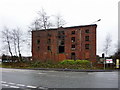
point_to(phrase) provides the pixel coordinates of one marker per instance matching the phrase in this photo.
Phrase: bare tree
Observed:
(35, 25)
(14, 39)
(107, 45)
(6, 37)
(44, 20)
(41, 22)
(59, 21)
(19, 41)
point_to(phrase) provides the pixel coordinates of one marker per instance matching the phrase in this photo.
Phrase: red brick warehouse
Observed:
(57, 44)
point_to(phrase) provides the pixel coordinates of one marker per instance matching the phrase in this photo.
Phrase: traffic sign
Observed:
(109, 61)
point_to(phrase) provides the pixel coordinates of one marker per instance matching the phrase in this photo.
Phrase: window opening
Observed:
(49, 48)
(49, 41)
(38, 41)
(73, 47)
(73, 56)
(61, 49)
(87, 46)
(73, 39)
(73, 32)
(87, 31)
(86, 38)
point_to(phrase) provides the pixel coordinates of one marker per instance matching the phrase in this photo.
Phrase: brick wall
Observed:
(44, 39)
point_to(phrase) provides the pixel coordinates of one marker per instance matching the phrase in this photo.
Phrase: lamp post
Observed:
(97, 21)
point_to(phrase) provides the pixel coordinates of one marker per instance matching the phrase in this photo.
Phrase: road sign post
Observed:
(103, 56)
(104, 63)
(117, 63)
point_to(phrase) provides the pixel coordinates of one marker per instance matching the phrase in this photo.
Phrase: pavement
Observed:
(74, 70)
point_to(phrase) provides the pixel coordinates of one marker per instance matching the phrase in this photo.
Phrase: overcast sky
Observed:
(20, 13)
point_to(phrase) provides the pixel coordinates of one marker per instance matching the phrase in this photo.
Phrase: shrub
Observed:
(82, 62)
(71, 62)
(68, 62)
(35, 64)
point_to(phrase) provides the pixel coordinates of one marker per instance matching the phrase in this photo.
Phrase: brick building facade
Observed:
(77, 42)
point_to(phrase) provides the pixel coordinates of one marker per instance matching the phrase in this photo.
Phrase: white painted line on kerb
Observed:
(5, 85)
(14, 87)
(31, 86)
(11, 83)
(20, 84)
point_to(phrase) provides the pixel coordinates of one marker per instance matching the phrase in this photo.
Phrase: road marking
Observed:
(3, 82)
(90, 73)
(31, 86)
(41, 73)
(112, 79)
(20, 84)
(41, 88)
(17, 85)
(5, 85)
(14, 87)
(11, 83)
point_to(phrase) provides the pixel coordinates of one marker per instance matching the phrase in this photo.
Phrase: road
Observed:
(41, 79)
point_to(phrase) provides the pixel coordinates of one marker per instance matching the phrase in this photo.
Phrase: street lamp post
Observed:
(97, 21)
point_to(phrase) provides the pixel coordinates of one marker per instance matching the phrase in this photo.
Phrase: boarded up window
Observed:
(87, 55)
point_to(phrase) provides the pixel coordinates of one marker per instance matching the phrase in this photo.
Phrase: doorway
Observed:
(73, 56)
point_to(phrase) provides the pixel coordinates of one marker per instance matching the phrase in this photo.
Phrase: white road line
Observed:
(41, 88)
(17, 85)
(41, 73)
(112, 79)
(31, 86)
(5, 85)
(3, 82)
(14, 87)
(91, 73)
(20, 84)
(11, 83)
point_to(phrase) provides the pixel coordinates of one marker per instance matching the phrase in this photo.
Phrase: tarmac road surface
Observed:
(42, 79)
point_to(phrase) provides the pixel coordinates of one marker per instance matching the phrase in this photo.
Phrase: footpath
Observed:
(73, 70)
(69, 70)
